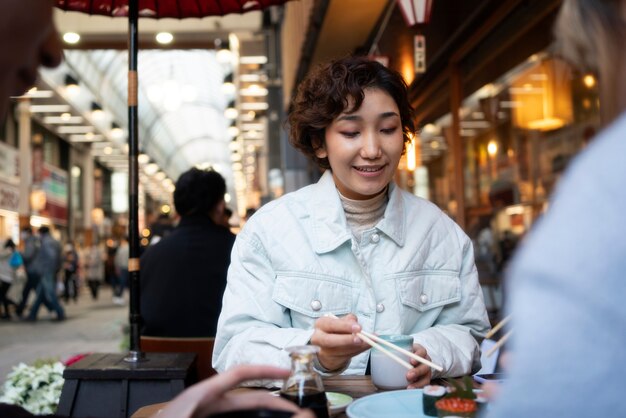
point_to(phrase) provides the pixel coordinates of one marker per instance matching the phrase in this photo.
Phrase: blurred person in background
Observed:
(225, 221)
(121, 271)
(567, 283)
(70, 273)
(10, 261)
(183, 276)
(31, 247)
(94, 268)
(47, 263)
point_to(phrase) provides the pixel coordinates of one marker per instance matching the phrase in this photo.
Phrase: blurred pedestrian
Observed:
(183, 275)
(567, 282)
(94, 268)
(31, 247)
(121, 271)
(70, 273)
(10, 261)
(47, 264)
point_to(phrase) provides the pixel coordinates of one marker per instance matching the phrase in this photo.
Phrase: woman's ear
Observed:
(320, 149)
(321, 152)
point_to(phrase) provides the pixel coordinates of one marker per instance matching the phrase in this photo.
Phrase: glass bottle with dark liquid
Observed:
(304, 386)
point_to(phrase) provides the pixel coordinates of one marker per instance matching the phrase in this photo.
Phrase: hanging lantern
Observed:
(541, 97)
(416, 12)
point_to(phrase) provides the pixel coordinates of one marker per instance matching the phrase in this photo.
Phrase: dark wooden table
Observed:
(354, 386)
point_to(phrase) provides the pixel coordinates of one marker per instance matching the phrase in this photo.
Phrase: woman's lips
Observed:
(369, 171)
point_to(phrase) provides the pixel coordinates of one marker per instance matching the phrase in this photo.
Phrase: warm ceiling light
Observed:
(492, 148)
(49, 108)
(96, 111)
(107, 150)
(258, 59)
(62, 119)
(143, 159)
(75, 129)
(231, 112)
(71, 86)
(71, 37)
(89, 136)
(228, 88)
(233, 131)
(254, 106)
(254, 90)
(151, 169)
(164, 38)
(116, 131)
(589, 81)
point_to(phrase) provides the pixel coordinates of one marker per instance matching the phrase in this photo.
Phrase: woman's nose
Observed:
(50, 51)
(370, 148)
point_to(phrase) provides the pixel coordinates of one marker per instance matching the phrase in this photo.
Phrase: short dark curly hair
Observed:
(325, 93)
(198, 191)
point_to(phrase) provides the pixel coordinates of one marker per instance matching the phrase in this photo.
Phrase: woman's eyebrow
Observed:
(353, 117)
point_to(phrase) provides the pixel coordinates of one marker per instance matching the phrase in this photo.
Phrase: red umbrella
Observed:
(154, 9)
(178, 9)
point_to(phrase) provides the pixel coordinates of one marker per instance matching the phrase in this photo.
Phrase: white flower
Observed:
(35, 388)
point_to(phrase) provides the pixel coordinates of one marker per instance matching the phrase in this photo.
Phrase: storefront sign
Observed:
(9, 196)
(9, 163)
(55, 186)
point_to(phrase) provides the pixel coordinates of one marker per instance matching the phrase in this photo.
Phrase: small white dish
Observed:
(338, 402)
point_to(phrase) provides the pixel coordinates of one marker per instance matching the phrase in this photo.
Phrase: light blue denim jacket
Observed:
(296, 260)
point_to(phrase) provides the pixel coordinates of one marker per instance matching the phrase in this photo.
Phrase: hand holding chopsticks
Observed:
(375, 342)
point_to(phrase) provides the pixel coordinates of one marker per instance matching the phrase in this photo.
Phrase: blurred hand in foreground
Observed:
(212, 396)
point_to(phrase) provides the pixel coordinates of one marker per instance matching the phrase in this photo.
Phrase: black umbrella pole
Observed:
(135, 353)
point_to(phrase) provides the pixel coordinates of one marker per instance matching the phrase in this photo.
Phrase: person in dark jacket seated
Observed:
(183, 276)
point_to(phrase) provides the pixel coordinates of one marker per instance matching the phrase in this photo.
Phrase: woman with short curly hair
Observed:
(352, 252)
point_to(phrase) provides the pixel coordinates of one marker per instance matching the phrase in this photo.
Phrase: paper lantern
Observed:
(415, 12)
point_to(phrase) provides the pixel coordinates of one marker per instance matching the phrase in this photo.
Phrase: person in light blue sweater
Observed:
(568, 283)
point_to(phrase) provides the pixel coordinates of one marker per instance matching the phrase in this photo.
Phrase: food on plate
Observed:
(431, 394)
(460, 401)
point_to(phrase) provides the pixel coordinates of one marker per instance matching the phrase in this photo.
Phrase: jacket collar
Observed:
(329, 225)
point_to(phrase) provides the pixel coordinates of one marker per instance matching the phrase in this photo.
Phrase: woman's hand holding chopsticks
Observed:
(337, 340)
(419, 366)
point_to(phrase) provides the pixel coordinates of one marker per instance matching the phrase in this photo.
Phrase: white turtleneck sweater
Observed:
(364, 214)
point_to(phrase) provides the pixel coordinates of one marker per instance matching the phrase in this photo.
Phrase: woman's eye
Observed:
(388, 130)
(350, 134)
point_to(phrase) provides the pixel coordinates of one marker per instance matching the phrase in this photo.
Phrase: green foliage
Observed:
(463, 389)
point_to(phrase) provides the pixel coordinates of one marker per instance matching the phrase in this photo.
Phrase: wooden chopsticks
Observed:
(373, 341)
(499, 325)
(499, 344)
(502, 340)
(367, 337)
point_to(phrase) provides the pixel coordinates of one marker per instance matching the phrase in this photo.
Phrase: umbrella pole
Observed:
(135, 353)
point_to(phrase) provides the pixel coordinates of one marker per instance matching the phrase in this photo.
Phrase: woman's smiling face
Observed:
(364, 147)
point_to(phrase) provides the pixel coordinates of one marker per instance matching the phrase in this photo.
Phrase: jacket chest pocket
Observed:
(425, 291)
(311, 296)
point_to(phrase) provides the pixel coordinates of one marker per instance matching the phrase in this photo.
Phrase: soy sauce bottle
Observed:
(304, 386)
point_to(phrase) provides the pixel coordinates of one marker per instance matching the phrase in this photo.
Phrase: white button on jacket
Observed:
(298, 250)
